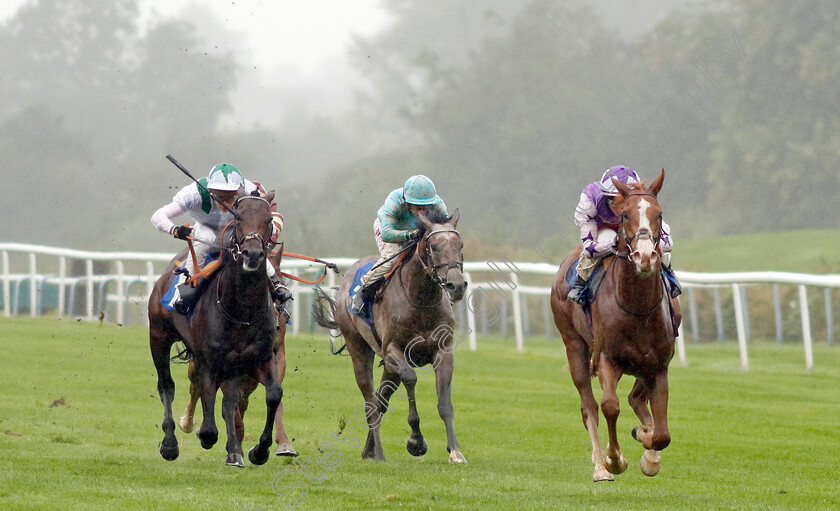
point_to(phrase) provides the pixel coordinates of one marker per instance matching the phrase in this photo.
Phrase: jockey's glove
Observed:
(182, 232)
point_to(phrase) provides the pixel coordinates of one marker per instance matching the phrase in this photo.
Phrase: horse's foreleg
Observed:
(187, 421)
(166, 388)
(207, 433)
(615, 462)
(659, 406)
(230, 408)
(577, 353)
(443, 384)
(258, 454)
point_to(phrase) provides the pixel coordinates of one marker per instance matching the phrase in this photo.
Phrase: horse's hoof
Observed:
(601, 474)
(650, 463)
(256, 457)
(235, 460)
(633, 432)
(169, 453)
(457, 457)
(186, 424)
(416, 448)
(208, 440)
(616, 467)
(286, 449)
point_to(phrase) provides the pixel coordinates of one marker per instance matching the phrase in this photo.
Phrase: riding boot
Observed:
(279, 291)
(576, 293)
(188, 296)
(674, 287)
(365, 294)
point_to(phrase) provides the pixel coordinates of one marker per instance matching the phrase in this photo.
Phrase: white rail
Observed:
(502, 280)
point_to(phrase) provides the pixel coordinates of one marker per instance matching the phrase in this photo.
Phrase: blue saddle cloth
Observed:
(168, 297)
(367, 309)
(594, 282)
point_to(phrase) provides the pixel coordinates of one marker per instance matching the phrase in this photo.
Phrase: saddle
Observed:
(594, 282)
(366, 313)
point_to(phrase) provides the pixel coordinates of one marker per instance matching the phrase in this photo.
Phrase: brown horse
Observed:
(631, 333)
(230, 335)
(413, 320)
(284, 445)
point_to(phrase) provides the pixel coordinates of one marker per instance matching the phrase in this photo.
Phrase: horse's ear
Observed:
(623, 189)
(269, 196)
(277, 256)
(425, 222)
(656, 186)
(454, 218)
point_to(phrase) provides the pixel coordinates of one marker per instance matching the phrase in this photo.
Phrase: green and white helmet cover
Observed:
(224, 177)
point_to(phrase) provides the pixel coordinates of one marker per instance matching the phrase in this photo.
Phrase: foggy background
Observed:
(510, 106)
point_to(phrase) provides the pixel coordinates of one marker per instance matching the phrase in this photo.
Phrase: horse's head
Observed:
(440, 248)
(251, 230)
(641, 222)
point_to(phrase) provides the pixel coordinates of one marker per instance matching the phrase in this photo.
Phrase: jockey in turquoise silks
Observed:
(595, 218)
(396, 224)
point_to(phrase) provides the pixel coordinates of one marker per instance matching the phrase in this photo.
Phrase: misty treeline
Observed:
(510, 106)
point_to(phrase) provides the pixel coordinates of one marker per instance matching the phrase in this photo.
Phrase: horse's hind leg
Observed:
(230, 409)
(362, 356)
(284, 446)
(577, 353)
(443, 383)
(160, 348)
(615, 462)
(187, 421)
(656, 437)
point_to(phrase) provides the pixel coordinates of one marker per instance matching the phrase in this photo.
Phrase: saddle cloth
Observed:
(367, 309)
(172, 293)
(594, 282)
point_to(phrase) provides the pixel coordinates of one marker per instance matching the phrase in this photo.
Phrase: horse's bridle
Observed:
(236, 247)
(628, 242)
(432, 269)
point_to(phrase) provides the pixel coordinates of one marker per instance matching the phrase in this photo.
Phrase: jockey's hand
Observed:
(414, 235)
(182, 232)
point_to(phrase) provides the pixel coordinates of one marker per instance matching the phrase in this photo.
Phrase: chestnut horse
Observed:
(413, 320)
(230, 335)
(284, 445)
(631, 333)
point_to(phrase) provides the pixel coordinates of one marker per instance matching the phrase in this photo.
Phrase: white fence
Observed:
(38, 278)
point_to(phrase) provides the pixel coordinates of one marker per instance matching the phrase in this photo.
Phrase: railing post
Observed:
(33, 285)
(718, 314)
(739, 326)
(806, 327)
(7, 291)
(470, 312)
(62, 276)
(692, 310)
(89, 305)
(777, 310)
(121, 297)
(681, 343)
(829, 319)
(517, 313)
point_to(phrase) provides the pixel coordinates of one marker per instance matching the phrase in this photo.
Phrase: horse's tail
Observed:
(323, 310)
(183, 354)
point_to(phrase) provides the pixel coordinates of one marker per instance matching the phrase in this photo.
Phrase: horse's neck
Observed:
(632, 288)
(240, 288)
(422, 289)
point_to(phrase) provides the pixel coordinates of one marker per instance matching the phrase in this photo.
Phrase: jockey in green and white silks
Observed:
(210, 218)
(396, 223)
(594, 216)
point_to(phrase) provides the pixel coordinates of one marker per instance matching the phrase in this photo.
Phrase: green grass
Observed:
(763, 439)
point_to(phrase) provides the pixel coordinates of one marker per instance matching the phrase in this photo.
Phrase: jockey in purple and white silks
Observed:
(595, 218)
(210, 218)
